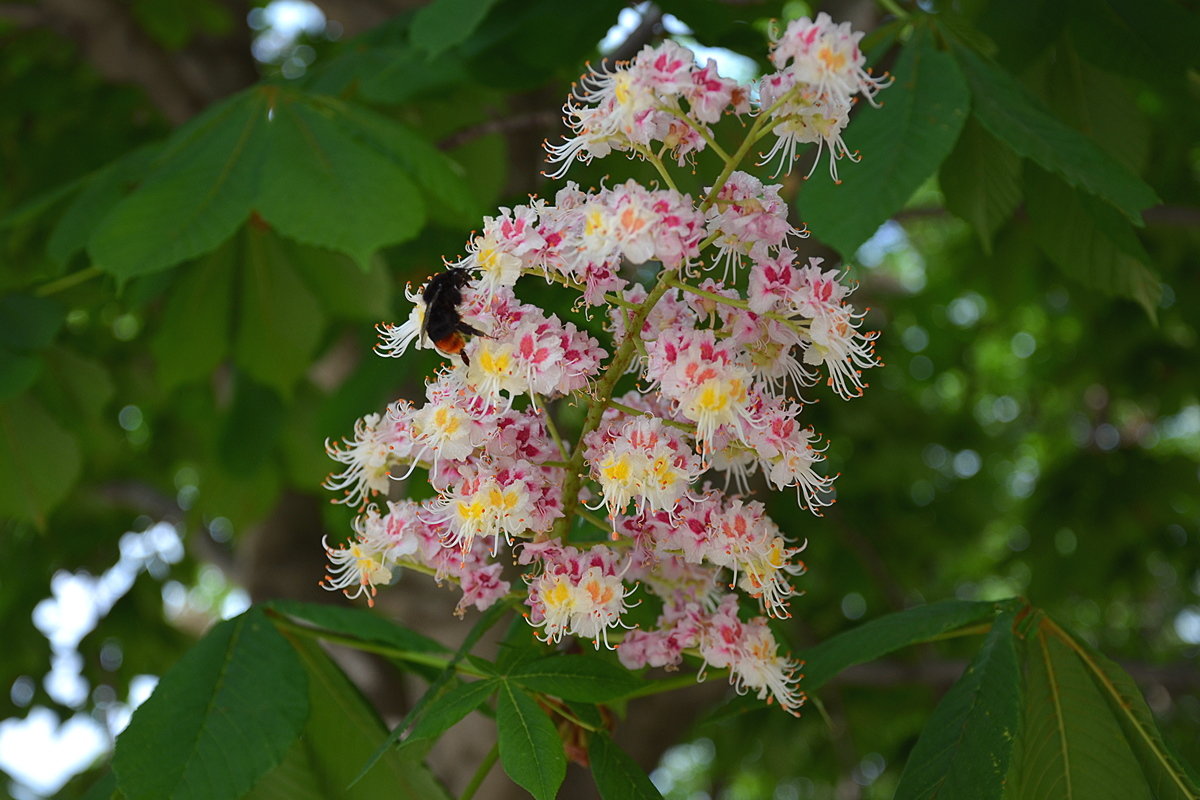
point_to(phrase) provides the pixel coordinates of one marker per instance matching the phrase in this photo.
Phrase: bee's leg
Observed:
(463, 327)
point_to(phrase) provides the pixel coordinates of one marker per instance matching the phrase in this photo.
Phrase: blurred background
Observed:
(1036, 430)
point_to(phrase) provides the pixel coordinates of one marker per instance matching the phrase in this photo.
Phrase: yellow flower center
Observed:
(558, 595)
(833, 60)
(616, 470)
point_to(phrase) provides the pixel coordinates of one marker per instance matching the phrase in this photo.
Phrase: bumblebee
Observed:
(443, 326)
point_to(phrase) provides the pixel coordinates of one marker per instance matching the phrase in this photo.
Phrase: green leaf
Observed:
(1098, 104)
(341, 726)
(1169, 777)
(100, 193)
(1089, 241)
(888, 633)
(224, 715)
(193, 337)
(981, 180)
(481, 626)
(280, 322)
(1070, 746)
(250, 430)
(77, 388)
(443, 179)
(902, 144)
(103, 789)
(202, 189)
(1152, 39)
(18, 371)
(581, 678)
(617, 776)
(39, 461)
(445, 711)
(965, 748)
(28, 322)
(406, 74)
(343, 288)
(1010, 114)
(530, 750)
(37, 205)
(445, 23)
(321, 187)
(359, 623)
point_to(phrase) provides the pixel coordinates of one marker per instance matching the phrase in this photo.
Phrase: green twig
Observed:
(600, 400)
(67, 282)
(649, 155)
(738, 302)
(552, 429)
(893, 7)
(396, 653)
(671, 684)
(683, 426)
(704, 134)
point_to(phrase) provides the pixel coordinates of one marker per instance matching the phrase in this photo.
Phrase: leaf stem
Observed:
(588, 516)
(552, 429)
(738, 302)
(893, 7)
(649, 155)
(410, 656)
(612, 299)
(481, 772)
(671, 684)
(67, 282)
(619, 406)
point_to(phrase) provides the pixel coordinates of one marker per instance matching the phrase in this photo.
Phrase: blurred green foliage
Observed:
(1036, 431)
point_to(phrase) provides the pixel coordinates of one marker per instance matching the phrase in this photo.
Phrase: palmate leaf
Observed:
(481, 626)
(1089, 241)
(1071, 747)
(965, 748)
(359, 623)
(442, 24)
(98, 194)
(530, 749)
(281, 320)
(443, 180)
(223, 716)
(39, 461)
(447, 709)
(321, 187)
(981, 180)
(902, 144)
(1055, 661)
(1008, 112)
(341, 727)
(193, 337)
(585, 679)
(296, 159)
(888, 633)
(203, 188)
(1169, 778)
(617, 776)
